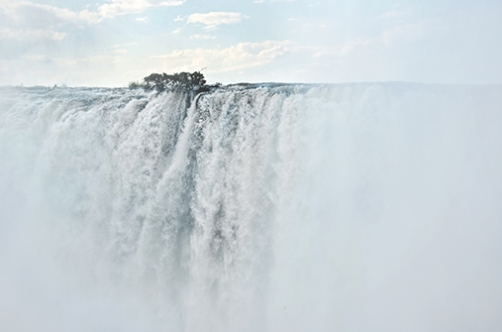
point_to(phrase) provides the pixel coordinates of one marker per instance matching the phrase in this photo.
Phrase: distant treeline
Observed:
(183, 81)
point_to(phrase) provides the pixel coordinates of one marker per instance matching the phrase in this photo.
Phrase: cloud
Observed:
(27, 26)
(404, 33)
(397, 11)
(392, 14)
(213, 19)
(119, 68)
(142, 19)
(262, 1)
(29, 13)
(31, 34)
(207, 37)
(122, 48)
(234, 58)
(398, 35)
(121, 7)
(26, 12)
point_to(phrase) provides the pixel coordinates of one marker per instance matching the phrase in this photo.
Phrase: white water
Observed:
(358, 207)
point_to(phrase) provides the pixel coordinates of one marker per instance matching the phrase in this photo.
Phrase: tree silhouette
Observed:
(183, 81)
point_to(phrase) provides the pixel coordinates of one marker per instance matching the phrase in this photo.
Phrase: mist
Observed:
(351, 207)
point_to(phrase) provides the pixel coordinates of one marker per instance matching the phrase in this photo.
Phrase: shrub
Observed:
(183, 81)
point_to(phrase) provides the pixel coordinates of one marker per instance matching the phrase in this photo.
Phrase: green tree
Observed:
(183, 81)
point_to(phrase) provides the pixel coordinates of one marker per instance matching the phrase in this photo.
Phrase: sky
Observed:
(114, 42)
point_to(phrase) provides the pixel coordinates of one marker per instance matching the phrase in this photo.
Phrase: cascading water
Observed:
(355, 207)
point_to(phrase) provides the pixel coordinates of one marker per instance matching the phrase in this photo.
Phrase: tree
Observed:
(183, 81)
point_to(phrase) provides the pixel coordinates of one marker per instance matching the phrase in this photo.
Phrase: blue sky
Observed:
(110, 43)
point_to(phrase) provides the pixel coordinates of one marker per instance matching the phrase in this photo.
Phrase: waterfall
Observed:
(351, 207)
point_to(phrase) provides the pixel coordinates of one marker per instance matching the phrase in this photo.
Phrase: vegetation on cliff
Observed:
(184, 81)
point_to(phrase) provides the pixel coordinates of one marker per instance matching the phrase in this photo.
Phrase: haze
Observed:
(110, 43)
